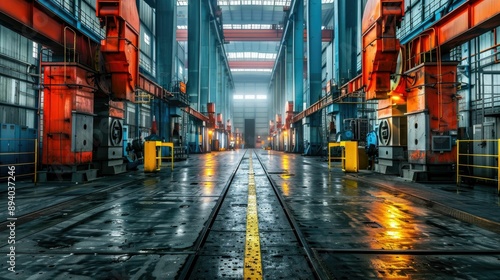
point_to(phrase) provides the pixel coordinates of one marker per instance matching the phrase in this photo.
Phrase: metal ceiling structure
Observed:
(253, 31)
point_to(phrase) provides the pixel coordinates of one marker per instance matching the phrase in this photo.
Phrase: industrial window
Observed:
(251, 70)
(35, 50)
(247, 26)
(251, 55)
(255, 2)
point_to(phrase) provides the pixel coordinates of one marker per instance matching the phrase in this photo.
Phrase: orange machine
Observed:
(432, 113)
(380, 45)
(422, 106)
(120, 48)
(211, 115)
(379, 60)
(68, 113)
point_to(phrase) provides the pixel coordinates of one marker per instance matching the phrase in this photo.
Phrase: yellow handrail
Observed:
(460, 175)
(349, 158)
(152, 155)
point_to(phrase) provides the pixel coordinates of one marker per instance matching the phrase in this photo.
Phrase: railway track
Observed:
(253, 265)
(247, 214)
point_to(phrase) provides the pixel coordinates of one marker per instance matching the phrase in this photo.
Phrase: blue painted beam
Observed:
(204, 53)
(294, 6)
(314, 49)
(194, 40)
(166, 24)
(298, 54)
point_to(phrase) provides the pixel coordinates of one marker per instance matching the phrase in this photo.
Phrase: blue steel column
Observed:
(314, 69)
(213, 73)
(193, 84)
(166, 24)
(289, 71)
(205, 53)
(298, 70)
(346, 42)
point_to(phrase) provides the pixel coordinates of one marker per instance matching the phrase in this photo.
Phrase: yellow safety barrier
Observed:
(349, 158)
(152, 155)
(478, 171)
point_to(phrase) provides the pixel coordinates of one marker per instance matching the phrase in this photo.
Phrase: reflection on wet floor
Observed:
(146, 226)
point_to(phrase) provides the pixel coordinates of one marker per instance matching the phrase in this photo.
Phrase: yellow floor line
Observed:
(253, 263)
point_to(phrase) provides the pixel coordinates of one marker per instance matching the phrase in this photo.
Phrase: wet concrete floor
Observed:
(145, 226)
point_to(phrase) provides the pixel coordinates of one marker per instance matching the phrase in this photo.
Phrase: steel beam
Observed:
(470, 20)
(348, 90)
(195, 114)
(153, 88)
(251, 64)
(245, 35)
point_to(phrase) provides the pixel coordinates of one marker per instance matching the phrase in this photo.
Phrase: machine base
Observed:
(430, 173)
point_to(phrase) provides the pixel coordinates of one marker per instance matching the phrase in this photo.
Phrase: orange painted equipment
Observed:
(182, 87)
(279, 121)
(120, 48)
(380, 45)
(211, 115)
(470, 20)
(289, 114)
(228, 126)
(68, 114)
(432, 90)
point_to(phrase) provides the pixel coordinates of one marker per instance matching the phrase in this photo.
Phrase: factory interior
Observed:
(174, 97)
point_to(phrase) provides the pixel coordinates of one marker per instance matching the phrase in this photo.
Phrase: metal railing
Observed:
(21, 153)
(478, 166)
(350, 157)
(153, 157)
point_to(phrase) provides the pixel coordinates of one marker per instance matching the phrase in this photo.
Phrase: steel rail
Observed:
(319, 271)
(188, 266)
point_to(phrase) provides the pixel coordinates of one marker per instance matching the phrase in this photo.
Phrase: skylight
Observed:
(252, 2)
(255, 2)
(248, 26)
(251, 70)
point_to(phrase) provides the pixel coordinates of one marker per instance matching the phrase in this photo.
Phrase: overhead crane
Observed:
(86, 82)
(417, 100)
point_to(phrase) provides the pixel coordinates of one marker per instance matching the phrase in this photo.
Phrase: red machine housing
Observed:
(380, 45)
(68, 114)
(432, 113)
(211, 115)
(120, 48)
